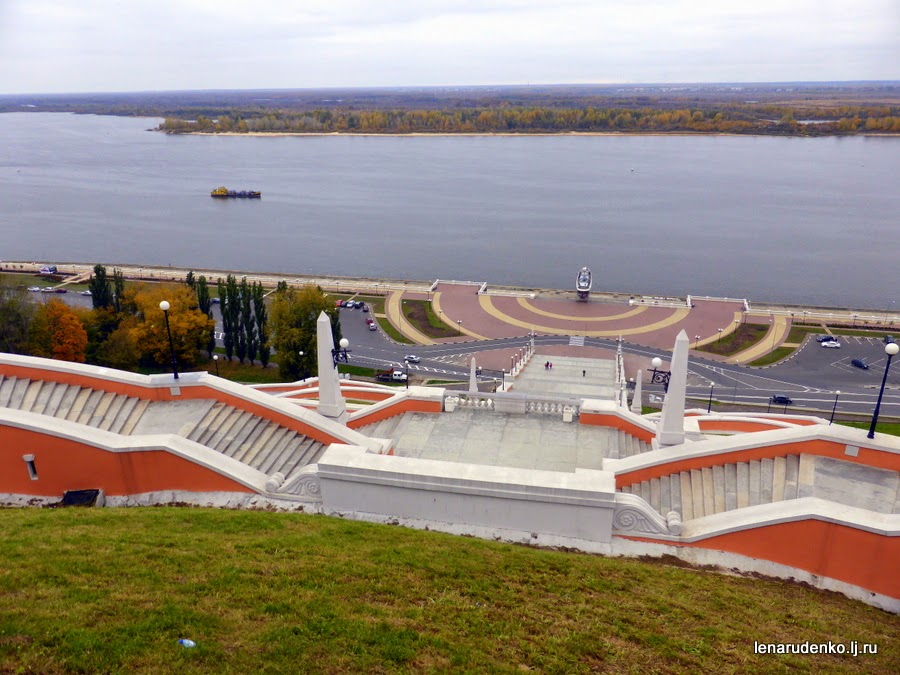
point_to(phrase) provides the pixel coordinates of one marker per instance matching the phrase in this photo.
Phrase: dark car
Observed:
(824, 338)
(780, 399)
(859, 363)
(889, 339)
(60, 290)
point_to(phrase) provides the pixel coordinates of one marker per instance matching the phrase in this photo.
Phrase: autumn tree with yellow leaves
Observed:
(147, 327)
(58, 333)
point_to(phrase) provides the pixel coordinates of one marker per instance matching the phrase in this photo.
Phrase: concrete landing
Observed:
(573, 377)
(172, 417)
(501, 439)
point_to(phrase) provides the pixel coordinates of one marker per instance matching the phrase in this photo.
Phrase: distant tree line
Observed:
(125, 328)
(767, 119)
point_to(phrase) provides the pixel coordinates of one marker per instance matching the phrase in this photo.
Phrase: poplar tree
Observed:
(101, 293)
(262, 322)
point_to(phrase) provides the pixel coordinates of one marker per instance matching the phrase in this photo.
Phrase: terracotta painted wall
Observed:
(615, 422)
(402, 406)
(861, 558)
(63, 464)
(867, 456)
(190, 392)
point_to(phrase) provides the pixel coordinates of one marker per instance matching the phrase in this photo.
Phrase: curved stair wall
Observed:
(414, 399)
(69, 456)
(840, 443)
(608, 414)
(191, 386)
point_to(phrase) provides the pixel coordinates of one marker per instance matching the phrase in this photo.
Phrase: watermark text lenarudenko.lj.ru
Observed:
(852, 648)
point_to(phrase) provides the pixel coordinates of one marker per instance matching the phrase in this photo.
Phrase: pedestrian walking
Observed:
(584, 373)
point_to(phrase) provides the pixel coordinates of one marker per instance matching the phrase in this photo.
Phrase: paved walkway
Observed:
(778, 330)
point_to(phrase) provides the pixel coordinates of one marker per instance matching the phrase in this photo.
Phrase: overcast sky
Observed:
(136, 45)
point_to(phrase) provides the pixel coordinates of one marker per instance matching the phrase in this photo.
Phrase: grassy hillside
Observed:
(112, 590)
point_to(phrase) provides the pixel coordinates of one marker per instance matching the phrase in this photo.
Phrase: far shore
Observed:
(460, 133)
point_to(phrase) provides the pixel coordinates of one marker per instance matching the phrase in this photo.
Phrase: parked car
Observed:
(215, 301)
(824, 338)
(889, 339)
(412, 358)
(833, 344)
(781, 399)
(34, 289)
(60, 290)
(372, 326)
(365, 307)
(85, 292)
(859, 363)
(47, 289)
(370, 320)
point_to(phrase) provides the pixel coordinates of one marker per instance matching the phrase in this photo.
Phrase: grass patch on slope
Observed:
(112, 590)
(773, 357)
(421, 315)
(892, 428)
(745, 336)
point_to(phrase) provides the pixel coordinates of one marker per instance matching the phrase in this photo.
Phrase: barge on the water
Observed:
(223, 192)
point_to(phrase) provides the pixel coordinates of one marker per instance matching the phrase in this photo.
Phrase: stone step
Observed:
(220, 429)
(709, 496)
(297, 457)
(115, 406)
(90, 405)
(18, 393)
(31, 393)
(240, 435)
(612, 444)
(222, 444)
(806, 476)
(654, 493)
(247, 441)
(696, 482)
(778, 479)
(718, 486)
(124, 413)
(106, 399)
(78, 404)
(43, 396)
(754, 482)
(687, 496)
(207, 422)
(6, 389)
(265, 445)
(743, 485)
(274, 456)
(315, 454)
(791, 476)
(55, 399)
(730, 487)
(135, 417)
(213, 421)
(258, 443)
(766, 475)
(65, 405)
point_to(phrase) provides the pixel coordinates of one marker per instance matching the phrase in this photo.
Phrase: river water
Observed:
(811, 221)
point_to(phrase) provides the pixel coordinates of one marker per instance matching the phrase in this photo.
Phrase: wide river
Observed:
(811, 221)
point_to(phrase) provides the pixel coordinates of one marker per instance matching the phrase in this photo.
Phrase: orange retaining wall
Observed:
(821, 448)
(841, 552)
(64, 464)
(192, 391)
(400, 407)
(360, 394)
(615, 422)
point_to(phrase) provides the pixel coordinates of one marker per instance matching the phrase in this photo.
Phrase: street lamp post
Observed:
(216, 361)
(834, 407)
(659, 376)
(720, 334)
(164, 306)
(772, 328)
(302, 371)
(709, 405)
(890, 350)
(696, 341)
(459, 327)
(341, 355)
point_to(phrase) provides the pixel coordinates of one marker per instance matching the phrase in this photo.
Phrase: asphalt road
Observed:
(811, 377)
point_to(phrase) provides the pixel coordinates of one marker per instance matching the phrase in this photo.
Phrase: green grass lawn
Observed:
(745, 336)
(892, 428)
(392, 332)
(421, 315)
(773, 357)
(112, 590)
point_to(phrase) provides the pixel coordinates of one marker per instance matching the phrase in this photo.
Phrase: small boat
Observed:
(583, 283)
(223, 192)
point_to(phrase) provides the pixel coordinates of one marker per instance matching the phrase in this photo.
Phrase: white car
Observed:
(833, 344)
(411, 358)
(34, 289)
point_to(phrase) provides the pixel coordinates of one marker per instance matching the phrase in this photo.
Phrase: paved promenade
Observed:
(507, 312)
